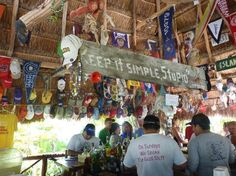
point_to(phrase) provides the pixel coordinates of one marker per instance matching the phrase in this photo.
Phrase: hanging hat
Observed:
(119, 112)
(15, 69)
(46, 111)
(22, 113)
(17, 96)
(61, 84)
(4, 101)
(69, 112)
(75, 113)
(90, 111)
(30, 112)
(59, 113)
(83, 112)
(38, 110)
(113, 113)
(23, 35)
(33, 95)
(53, 111)
(70, 46)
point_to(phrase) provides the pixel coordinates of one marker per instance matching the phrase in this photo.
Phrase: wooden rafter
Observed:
(13, 28)
(205, 36)
(134, 23)
(64, 15)
(158, 8)
(153, 16)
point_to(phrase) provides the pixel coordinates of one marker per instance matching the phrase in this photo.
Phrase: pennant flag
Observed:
(205, 19)
(215, 29)
(30, 70)
(223, 8)
(166, 30)
(120, 40)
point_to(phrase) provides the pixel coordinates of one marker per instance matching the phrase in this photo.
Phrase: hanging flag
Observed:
(223, 9)
(232, 24)
(31, 70)
(205, 19)
(215, 29)
(151, 45)
(166, 30)
(120, 40)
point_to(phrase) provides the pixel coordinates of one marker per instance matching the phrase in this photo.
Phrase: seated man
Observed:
(207, 150)
(153, 153)
(85, 141)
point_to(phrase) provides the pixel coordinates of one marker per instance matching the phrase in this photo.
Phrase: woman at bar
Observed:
(127, 131)
(176, 133)
(115, 138)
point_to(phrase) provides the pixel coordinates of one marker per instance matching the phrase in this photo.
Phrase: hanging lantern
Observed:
(96, 77)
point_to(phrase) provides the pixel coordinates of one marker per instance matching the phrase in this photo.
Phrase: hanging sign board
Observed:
(226, 64)
(118, 63)
(172, 100)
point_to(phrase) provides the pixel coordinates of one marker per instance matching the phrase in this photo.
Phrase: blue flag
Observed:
(166, 30)
(31, 70)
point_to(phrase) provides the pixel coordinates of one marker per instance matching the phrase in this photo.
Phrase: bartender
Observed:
(83, 142)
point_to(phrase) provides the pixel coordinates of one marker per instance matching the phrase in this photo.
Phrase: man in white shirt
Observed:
(85, 141)
(153, 153)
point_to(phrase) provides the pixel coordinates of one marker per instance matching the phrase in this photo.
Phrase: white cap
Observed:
(46, 112)
(70, 46)
(15, 69)
(30, 112)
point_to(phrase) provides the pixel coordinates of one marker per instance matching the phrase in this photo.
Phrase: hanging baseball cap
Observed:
(33, 95)
(17, 95)
(4, 66)
(38, 110)
(46, 111)
(70, 46)
(61, 84)
(30, 112)
(59, 113)
(4, 101)
(95, 113)
(76, 113)
(68, 112)
(53, 110)
(15, 69)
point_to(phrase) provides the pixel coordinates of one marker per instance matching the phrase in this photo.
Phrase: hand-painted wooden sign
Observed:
(118, 63)
(226, 64)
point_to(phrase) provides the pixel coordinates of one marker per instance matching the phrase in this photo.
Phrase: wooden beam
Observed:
(155, 15)
(158, 8)
(13, 27)
(205, 36)
(105, 19)
(64, 15)
(134, 24)
(44, 167)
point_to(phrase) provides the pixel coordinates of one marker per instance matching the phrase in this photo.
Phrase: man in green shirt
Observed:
(105, 131)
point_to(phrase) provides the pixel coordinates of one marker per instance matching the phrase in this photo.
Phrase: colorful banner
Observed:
(166, 30)
(30, 70)
(223, 8)
(215, 29)
(120, 40)
(232, 24)
(205, 19)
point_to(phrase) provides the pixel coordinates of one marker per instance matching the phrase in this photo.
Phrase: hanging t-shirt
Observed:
(154, 154)
(78, 144)
(8, 124)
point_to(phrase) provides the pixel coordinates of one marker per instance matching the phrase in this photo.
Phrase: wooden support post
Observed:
(64, 15)
(182, 50)
(205, 36)
(134, 24)
(13, 28)
(105, 11)
(158, 8)
(44, 166)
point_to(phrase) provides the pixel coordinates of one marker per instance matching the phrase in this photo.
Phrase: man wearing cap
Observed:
(105, 131)
(207, 150)
(81, 142)
(153, 153)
